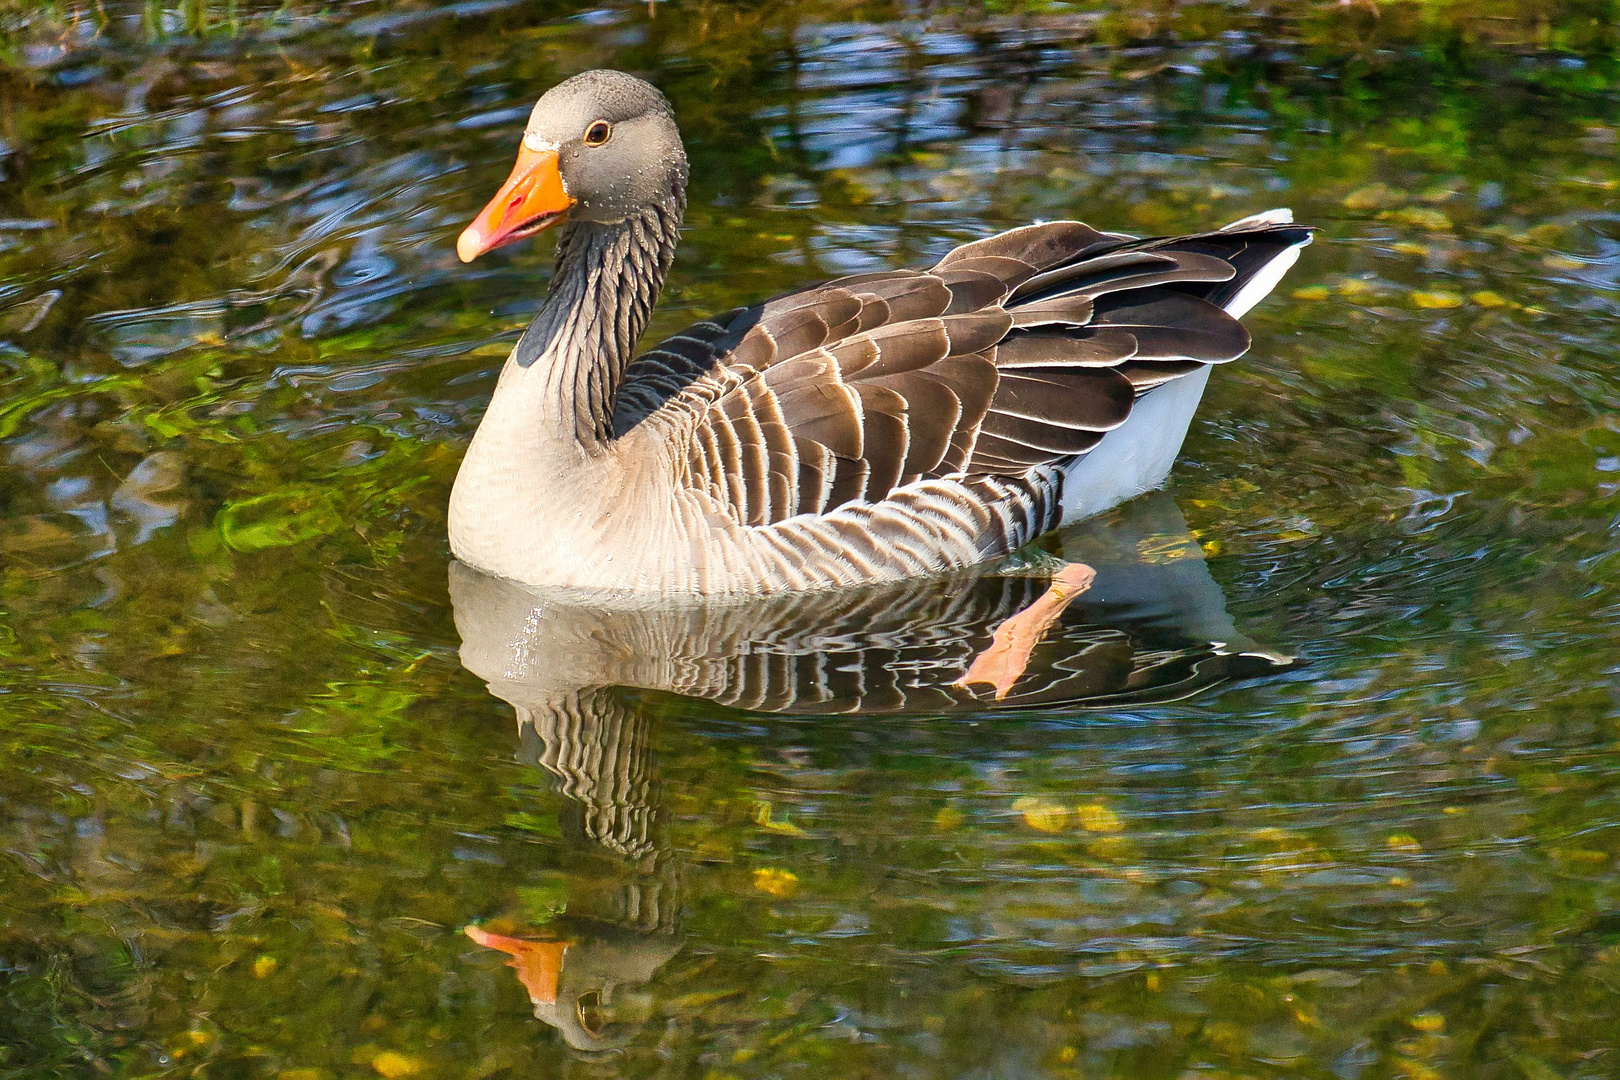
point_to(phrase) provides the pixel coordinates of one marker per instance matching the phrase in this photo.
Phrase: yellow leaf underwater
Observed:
(773, 882)
(1438, 298)
(1095, 817)
(394, 1065)
(762, 818)
(1042, 815)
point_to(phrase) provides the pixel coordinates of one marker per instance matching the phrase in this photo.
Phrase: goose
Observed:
(875, 428)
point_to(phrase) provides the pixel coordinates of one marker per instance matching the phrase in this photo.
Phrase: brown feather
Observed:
(1089, 398)
(1040, 246)
(1050, 439)
(855, 354)
(729, 471)
(753, 470)
(1063, 310)
(1038, 349)
(960, 451)
(852, 281)
(875, 312)
(1248, 248)
(707, 464)
(1168, 323)
(1011, 272)
(782, 458)
(1124, 270)
(815, 475)
(976, 332)
(973, 379)
(827, 413)
(907, 346)
(972, 290)
(755, 352)
(784, 495)
(994, 454)
(1146, 374)
(834, 303)
(915, 296)
(805, 369)
(933, 411)
(798, 331)
(849, 481)
(886, 438)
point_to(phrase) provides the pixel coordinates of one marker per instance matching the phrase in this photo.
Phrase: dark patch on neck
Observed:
(663, 372)
(535, 340)
(607, 280)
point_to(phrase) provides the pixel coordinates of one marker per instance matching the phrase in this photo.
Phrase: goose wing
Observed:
(1016, 351)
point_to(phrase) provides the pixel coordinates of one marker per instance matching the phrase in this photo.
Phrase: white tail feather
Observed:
(1136, 456)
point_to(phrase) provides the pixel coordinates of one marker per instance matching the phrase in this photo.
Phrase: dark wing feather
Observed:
(1172, 324)
(972, 291)
(1041, 246)
(1138, 269)
(1014, 352)
(1059, 349)
(1082, 398)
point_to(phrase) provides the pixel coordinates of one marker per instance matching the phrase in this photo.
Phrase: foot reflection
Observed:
(1141, 621)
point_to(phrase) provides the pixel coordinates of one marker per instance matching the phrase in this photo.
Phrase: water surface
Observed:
(1323, 782)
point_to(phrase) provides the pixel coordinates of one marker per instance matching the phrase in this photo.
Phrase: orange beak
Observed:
(538, 963)
(532, 199)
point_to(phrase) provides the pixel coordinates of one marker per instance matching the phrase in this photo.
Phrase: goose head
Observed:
(600, 147)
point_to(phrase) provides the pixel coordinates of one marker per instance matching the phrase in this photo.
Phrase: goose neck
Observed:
(606, 283)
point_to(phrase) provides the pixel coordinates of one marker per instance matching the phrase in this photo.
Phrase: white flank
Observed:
(1136, 456)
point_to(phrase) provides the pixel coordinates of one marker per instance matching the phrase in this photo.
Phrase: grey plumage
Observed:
(877, 427)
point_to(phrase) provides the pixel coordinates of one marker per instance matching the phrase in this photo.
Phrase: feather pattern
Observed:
(1043, 338)
(895, 424)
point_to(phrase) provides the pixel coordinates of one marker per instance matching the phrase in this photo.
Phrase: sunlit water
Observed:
(1319, 780)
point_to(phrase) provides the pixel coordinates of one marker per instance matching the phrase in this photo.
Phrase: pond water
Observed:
(1320, 780)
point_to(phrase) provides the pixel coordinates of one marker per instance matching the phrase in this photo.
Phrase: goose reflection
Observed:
(1152, 627)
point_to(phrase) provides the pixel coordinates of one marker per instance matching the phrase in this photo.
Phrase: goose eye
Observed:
(598, 133)
(591, 1018)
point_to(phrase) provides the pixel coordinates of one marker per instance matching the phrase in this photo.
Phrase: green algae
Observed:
(249, 797)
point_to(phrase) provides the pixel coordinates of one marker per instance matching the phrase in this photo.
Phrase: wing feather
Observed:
(1016, 351)
(1084, 399)
(1040, 246)
(907, 347)
(1124, 270)
(887, 437)
(933, 409)
(1078, 348)
(827, 413)
(1167, 323)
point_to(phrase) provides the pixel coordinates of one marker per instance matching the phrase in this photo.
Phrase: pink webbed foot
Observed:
(1008, 655)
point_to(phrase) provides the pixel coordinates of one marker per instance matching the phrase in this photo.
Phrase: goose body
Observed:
(874, 428)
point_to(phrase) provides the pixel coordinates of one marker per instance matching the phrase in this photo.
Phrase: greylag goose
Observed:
(877, 427)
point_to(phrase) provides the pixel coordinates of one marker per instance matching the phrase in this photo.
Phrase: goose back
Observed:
(1013, 353)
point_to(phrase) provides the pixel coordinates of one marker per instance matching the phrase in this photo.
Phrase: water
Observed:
(1320, 780)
